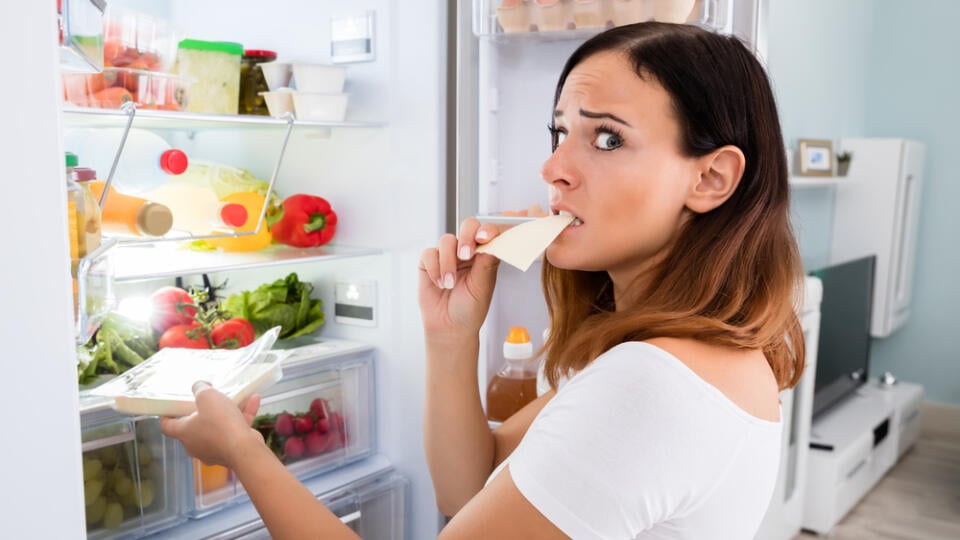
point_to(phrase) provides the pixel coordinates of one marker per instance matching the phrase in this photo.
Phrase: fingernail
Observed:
(448, 281)
(200, 386)
(464, 253)
(482, 234)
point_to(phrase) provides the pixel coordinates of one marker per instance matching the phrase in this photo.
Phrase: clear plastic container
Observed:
(116, 86)
(213, 68)
(374, 509)
(136, 40)
(338, 384)
(575, 17)
(130, 476)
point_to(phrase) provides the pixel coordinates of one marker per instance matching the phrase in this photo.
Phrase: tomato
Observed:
(232, 334)
(185, 336)
(170, 306)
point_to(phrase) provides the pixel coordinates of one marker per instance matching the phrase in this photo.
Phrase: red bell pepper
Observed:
(307, 221)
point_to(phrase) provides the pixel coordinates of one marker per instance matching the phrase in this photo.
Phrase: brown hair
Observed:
(733, 274)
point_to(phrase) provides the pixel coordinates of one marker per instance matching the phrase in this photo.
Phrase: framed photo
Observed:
(816, 157)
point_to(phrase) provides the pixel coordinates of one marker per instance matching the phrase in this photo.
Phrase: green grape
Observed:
(113, 516)
(130, 498)
(91, 469)
(109, 456)
(122, 485)
(96, 510)
(91, 490)
(146, 493)
(146, 456)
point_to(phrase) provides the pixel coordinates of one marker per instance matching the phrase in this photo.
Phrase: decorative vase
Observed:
(843, 167)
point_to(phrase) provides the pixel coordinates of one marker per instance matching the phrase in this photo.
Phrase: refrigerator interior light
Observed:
(135, 307)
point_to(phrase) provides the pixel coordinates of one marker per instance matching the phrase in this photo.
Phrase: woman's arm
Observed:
(218, 434)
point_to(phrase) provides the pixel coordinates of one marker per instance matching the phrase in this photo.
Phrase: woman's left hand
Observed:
(217, 433)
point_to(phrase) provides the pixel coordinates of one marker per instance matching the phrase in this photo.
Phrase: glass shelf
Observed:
(156, 119)
(142, 262)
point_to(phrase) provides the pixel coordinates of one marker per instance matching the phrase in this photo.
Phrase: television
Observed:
(843, 352)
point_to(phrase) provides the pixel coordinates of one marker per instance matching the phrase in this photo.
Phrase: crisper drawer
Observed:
(374, 508)
(129, 474)
(318, 417)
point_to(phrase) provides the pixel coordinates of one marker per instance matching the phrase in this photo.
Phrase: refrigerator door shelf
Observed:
(175, 120)
(320, 416)
(580, 19)
(130, 473)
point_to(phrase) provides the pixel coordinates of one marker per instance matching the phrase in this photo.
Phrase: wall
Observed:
(838, 74)
(913, 80)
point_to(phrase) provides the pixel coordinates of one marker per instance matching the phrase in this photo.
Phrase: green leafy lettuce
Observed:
(285, 303)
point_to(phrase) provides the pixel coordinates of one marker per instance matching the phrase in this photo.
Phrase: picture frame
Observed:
(816, 157)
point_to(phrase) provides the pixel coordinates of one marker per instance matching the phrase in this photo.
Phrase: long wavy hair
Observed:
(733, 275)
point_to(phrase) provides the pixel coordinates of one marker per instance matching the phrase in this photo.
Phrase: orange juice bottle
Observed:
(74, 209)
(240, 211)
(515, 384)
(127, 215)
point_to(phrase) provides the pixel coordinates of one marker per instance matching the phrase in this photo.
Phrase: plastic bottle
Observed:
(128, 215)
(74, 207)
(147, 161)
(515, 384)
(241, 211)
(88, 214)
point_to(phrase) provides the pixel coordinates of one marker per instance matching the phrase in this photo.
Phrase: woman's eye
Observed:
(608, 141)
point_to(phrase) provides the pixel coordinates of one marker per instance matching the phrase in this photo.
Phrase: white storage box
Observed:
(130, 474)
(374, 509)
(325, 400)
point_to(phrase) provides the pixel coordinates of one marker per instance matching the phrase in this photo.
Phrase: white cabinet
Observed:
(785, 513)
(875, 212)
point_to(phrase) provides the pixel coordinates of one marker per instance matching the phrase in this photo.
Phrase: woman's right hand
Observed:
(456, 283)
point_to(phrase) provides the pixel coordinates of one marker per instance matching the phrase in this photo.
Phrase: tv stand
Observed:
(853, 444)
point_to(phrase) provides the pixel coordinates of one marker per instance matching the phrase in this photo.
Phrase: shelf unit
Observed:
(155, 119)
(143, 262)
(816, 181)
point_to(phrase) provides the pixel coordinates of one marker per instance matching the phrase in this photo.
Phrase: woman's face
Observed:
(618, 168)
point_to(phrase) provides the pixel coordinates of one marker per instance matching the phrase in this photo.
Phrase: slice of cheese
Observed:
(521, 245)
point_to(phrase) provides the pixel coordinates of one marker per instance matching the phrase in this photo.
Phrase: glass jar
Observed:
(252, 81)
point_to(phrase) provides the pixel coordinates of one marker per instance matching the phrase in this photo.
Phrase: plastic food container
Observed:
(319, 78)
(320, 107)
(116, 86)
(252, 81)
(213, 67)
(136, 40)
(130, 476)
(318, 417)
(277, 75)
(279, 102)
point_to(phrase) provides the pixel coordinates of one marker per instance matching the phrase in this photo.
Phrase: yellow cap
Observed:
(518, 334)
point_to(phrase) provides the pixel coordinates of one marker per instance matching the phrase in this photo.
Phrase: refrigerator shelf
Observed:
(156, 119)
(552, 20)
(142, 262)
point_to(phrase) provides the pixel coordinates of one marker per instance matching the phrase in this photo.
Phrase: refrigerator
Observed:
(444, 121)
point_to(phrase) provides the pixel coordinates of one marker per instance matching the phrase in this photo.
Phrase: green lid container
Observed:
(71, 159)
(228, 47)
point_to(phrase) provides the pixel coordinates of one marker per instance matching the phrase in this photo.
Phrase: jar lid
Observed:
(71, 159)
(228, 47)
(83, 174)
(260, 52)
(174, 161)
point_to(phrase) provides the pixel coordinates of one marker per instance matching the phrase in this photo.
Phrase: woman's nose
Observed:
(558, 170)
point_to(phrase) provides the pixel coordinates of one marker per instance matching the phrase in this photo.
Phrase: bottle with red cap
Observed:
(147, 161)
(515, 384)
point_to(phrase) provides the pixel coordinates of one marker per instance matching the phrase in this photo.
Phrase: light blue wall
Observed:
(914, 78)
(883, 69)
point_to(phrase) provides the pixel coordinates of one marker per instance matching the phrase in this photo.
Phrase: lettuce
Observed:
(285, 303)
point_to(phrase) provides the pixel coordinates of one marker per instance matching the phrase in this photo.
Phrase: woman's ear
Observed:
(720, 172)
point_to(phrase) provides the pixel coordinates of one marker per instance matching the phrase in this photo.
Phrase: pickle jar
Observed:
(252, 81)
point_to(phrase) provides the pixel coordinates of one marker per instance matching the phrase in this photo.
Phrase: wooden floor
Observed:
(919, 499)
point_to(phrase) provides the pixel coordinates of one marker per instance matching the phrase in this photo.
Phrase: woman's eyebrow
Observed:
(590, 114)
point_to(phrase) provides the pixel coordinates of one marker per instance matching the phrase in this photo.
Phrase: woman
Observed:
(673, 328)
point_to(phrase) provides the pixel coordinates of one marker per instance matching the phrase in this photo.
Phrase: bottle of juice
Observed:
(241, 212)
(124, 214)
(515, 384)
(88, 214)
(74, 208)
